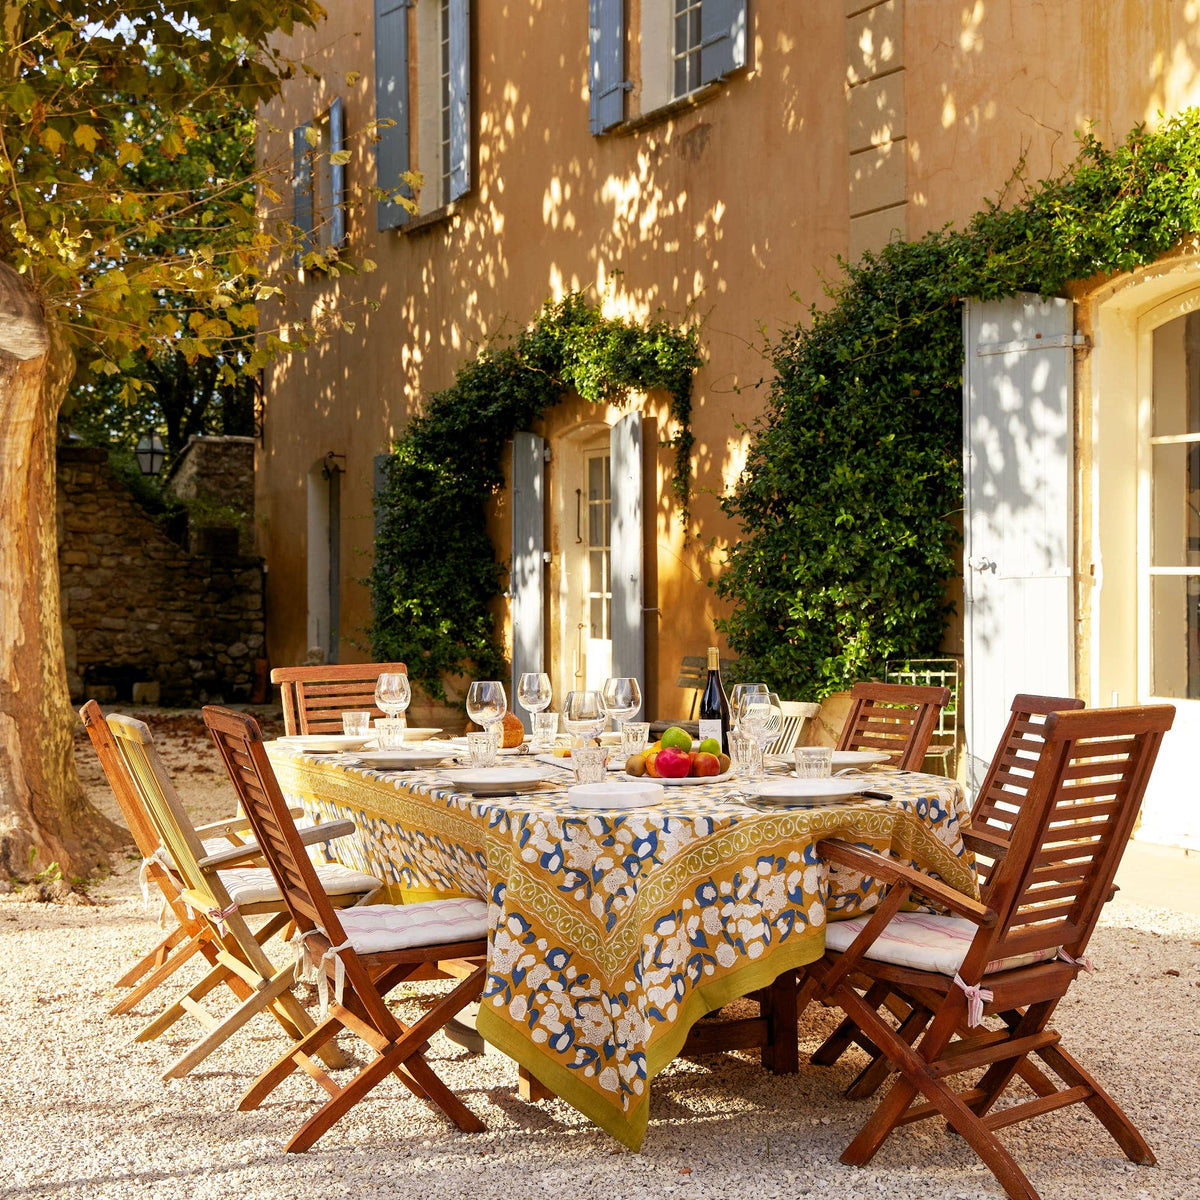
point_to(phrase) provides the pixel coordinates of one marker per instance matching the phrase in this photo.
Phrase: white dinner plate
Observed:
(399, 760)
(686, 781)
(554, 760)
(492, 781)
(841, 759)
(324, 743)
(616, 793)
(420, 733)
(787, 791)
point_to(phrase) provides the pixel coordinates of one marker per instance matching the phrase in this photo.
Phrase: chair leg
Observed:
(875, 1074)
(213, 979)
(155, 958)
(838, 1042)
(159, 975)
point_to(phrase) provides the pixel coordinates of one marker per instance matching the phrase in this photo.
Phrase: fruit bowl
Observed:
(684, 781)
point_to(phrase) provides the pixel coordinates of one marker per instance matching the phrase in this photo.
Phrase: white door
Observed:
(1169, 575)
(1017, 460)
(527, 575)
(594, 664)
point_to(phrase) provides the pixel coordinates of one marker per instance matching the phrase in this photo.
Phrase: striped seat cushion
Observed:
(255, 885)
(925, 942)
(381, 927)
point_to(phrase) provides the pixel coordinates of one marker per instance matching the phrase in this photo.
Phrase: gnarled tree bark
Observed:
(44, 815)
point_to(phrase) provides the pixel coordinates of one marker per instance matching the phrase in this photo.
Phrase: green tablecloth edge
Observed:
(630, 1128)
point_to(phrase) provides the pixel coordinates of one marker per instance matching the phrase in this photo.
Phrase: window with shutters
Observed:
(319, 180)
(423, 103)
(682, 47)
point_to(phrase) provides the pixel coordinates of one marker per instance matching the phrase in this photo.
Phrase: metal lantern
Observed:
(150, 453)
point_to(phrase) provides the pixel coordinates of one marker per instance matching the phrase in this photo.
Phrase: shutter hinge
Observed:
(545, 454)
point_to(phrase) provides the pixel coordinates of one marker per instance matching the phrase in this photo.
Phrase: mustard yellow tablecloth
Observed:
(611, 933)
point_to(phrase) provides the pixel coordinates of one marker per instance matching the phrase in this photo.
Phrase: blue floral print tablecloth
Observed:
(612, 932)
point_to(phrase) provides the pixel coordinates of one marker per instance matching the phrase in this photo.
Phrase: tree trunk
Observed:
(44, 816)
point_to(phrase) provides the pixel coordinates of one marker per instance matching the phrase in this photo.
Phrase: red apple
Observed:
(706, 764)
(673, 764)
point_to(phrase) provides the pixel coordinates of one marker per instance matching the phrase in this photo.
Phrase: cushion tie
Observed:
(1082, 961)
(217, 917)
(976, 995)
(160, 857)
(311, 969)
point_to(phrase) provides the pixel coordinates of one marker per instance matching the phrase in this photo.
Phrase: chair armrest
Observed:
(235, 825)
(870, 863)
(991, 844)
(309, 835)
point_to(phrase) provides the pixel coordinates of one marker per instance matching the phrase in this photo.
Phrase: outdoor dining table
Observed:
(611, 932)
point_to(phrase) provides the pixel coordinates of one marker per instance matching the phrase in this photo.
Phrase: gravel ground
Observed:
(84, 1114)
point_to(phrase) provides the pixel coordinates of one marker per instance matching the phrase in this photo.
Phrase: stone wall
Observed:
(138, 611)
(217, 469)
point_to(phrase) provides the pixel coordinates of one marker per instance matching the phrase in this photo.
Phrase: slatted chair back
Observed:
(893, 719)
(314, 698)
(239, 742)
(135, 745)
(1005, 787)
(795, 714)
(1076, 820)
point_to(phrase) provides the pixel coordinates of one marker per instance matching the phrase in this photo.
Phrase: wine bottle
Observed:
(714, 707)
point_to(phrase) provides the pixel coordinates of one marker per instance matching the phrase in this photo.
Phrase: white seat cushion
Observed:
(381, 927)
(925, 942)
(252, 885)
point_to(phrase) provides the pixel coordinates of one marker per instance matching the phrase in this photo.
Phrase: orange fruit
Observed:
(651, 767)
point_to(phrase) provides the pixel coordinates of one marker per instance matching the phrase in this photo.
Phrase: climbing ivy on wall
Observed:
(435, 574)
(849, 501)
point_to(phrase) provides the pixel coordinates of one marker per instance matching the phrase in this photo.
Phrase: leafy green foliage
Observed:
(435, 574)
(853, 483)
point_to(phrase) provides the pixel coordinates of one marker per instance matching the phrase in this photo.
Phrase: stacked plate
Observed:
(399, 760)
(616, 794)
(493, 781)
(842, 759)
(324, 743)
(803, 793)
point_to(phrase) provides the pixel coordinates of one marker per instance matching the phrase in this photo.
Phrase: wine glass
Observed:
(738, 693)
(583, 714)
(621, 697)
(533, 691)
(487, 704)
(392, 693)
(759, 715)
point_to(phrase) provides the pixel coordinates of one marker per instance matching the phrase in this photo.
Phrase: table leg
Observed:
(781, 1054)
(530, 1088)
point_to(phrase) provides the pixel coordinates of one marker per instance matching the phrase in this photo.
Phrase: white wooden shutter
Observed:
(722, 38)
(1017, 459)
(526, 579)
(625, 450)
(392, 155)
(302, 190)
(337, 172)
(607, 84)
(460, 98)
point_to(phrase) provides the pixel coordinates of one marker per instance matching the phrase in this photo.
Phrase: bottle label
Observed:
(710, 729)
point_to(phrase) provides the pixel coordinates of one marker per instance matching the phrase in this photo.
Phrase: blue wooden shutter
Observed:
(337, 173)
(628, 634)
(460, 98)
(607, 84)
(302, 189)
(527, 578)
(391, 104)
(722, 38)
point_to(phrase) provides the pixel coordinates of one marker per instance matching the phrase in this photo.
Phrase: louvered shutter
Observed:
(460, 98)
(302, 189)
(526, 580)
(392, 154)
(722, 38)
(337, 173)
(607, 84)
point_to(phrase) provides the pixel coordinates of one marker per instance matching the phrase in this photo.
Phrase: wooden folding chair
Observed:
(367, 952)
(795, 714)
(1012, 956)
(315, 697)
(994, 814)
(893, 719)
(221, 899)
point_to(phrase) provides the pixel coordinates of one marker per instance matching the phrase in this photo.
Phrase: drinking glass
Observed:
(757, 715)
(392, 693)
(482, 747)
(357, 724)
(389, 733)
(486, 702)
(621, 697)
(583, 714)
(745, 757)
(814, 762)
(634, 737)
(589, 763)
(545, 727)
(533, 691)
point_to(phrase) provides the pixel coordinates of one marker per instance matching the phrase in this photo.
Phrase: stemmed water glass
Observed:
(737, 694)
(487, 704)
(392, 696)
(583, 714)
(621, 697)
(759, 716)
(533, 691)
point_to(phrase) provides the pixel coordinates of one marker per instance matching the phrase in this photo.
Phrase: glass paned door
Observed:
(598, 588)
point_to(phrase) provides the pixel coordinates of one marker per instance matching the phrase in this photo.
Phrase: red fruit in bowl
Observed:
(706, 764)
(673, 764)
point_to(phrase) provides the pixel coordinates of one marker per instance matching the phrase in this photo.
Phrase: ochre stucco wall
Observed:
(731, 213)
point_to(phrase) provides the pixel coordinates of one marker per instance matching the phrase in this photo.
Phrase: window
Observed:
(319, 180)
(684, 45)
(426, 43)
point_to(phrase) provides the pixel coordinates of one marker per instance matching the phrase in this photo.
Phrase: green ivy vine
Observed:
(435, 575)
(849, 501)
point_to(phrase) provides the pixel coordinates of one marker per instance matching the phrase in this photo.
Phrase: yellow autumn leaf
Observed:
(129, 153)
(51, 139)
(87, 137)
